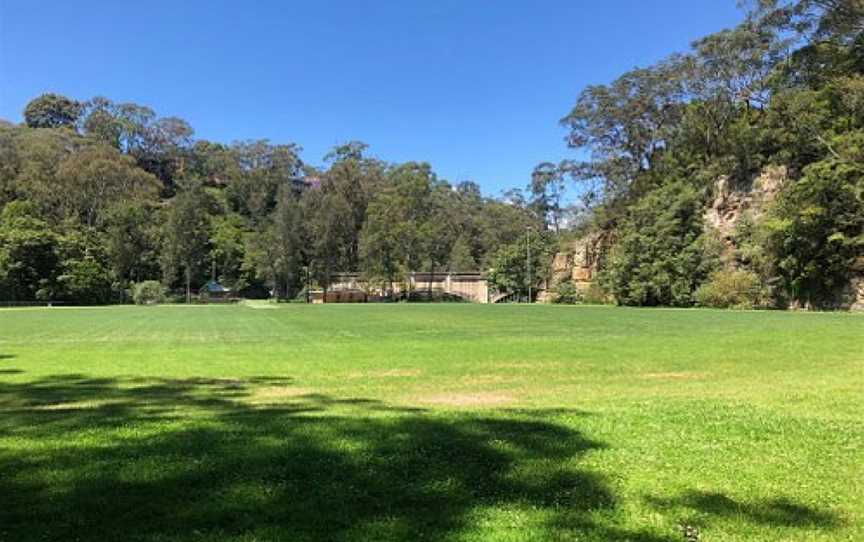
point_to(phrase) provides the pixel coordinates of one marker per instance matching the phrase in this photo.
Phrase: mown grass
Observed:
(430, 422)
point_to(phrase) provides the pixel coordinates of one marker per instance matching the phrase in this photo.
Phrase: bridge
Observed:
(470, 286)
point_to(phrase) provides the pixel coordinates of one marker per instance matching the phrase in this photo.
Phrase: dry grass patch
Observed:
(488, 379)
(390, 373)
(476, 399)
(673, 376)
(73, 405)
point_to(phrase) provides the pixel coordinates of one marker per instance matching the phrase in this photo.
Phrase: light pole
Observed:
(528, 258)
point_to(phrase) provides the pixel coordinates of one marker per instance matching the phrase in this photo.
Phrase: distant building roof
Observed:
(215, 288)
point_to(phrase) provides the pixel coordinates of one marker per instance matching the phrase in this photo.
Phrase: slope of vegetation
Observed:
(98, 195)
(435, 422)
(784, 88)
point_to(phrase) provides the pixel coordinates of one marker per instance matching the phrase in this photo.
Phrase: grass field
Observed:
(429, 422)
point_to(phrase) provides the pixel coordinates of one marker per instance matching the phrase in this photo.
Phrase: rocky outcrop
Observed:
(856, 286)
(577, 265)
(730, 205)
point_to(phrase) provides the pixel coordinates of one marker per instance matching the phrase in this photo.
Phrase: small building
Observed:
(214, 290)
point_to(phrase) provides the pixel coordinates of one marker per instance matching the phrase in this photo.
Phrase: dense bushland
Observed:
(784, 88)
(97, 195)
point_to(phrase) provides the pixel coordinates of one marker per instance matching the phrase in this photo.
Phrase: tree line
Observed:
(783, 88)
(96, 196)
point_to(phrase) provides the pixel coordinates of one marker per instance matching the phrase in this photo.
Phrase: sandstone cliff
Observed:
(729, 206)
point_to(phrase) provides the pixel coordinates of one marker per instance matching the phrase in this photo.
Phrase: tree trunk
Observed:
(188, 286)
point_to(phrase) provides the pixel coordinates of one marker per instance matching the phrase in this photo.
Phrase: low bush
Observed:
(735, 289)
(566, 293)
(595, 295)
(149, 292)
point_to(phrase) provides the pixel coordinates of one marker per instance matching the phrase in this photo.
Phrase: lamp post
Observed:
(528, 258)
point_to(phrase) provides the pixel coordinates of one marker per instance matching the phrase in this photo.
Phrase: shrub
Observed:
(595, 295)
(566, 293)
(149, 292)
(736, 289)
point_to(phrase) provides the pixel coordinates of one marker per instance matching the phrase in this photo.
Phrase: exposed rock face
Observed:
(730, 205)
(857, 286)
(585, 259)
(858, 291)
(578, 265)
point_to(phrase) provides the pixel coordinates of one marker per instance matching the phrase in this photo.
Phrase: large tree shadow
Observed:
(777, 512)
(201, 459)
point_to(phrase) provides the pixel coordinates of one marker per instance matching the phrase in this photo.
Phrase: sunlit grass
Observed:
(430, 422)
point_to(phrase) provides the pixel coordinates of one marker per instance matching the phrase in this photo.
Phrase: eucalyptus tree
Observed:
(185, 236)
(52, 111)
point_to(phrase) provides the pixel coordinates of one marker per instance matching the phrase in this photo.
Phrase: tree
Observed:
(131, 241)
(84, 281)
(817, 231)
(461, 257)
(277, 250)
(502, 224)
(185, 234)
(522, 265)
(263, 169)
(52, 111)
(89, 181)
(287, 231)
(356, 179)
(29, 258)
(624, 125)
(228, 250)
(328, 231)
(547, 193)
(661, 255)
(352, 150)
(398, 220)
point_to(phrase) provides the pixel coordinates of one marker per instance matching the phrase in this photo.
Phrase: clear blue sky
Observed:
(475, 87)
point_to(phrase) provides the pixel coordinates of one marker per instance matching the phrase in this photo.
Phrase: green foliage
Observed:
(185, 236)
(816, 231)
(660, 256)
(85, 282)
(29, 254)
(277, 252)
(461, 258)
(51, 111)
(96, 177)
(732, 289)
(116, 192)
(131, 241)
(512, 266)
(149, 292)
(566, 293)
(227, 242)
(148, 201)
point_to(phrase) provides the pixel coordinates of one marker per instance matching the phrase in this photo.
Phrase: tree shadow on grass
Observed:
(773, 512)
(199, 459)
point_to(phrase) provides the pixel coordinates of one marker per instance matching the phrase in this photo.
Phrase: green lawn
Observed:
(429, 422)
